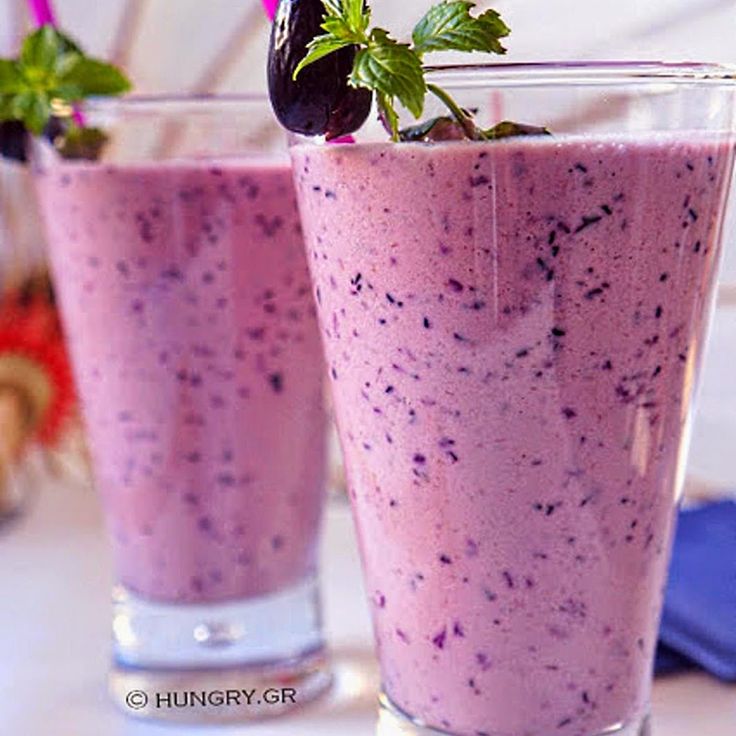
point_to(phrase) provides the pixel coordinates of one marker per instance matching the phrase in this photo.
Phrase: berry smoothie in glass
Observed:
(185, 292)
(513, 330)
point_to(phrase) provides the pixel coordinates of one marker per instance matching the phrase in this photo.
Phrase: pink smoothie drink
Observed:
(513, 330)
(185, 292)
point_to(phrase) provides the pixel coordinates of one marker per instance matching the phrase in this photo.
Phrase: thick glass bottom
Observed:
(392, 721)
(218, 662)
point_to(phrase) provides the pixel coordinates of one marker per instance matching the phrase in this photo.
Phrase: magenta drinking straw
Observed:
(270, 7)
(42, 12)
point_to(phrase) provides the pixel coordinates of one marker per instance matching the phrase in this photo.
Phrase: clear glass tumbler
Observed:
(185, 293)
(513, 330)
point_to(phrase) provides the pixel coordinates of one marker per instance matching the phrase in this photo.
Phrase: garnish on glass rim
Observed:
(52, 74)
(394, 72)
(321, 102)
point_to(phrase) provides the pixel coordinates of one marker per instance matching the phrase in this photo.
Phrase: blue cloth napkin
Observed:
(699, 618)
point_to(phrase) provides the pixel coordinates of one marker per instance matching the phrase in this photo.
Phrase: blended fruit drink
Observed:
(513, 329)
(191, 321)
(185, 291)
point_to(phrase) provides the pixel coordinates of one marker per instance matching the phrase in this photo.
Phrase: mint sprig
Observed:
(50, 76)
(450, 27)
(393, 70)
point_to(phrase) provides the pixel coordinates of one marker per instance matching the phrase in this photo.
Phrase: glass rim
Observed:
(141, 103)
(501, 74)
(583, 73)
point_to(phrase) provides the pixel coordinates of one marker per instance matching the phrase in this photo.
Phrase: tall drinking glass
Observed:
(513, 330)
(185, 292)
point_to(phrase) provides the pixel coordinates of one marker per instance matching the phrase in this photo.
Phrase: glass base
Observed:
(218, 662)
(392, 721)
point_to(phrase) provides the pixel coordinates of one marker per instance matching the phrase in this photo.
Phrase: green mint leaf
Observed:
(338, 28)
(11, 79)
(319, 48)
(40, 50)
(389, 116)
(67, 43)
(69, 94)
(346, 18)
(450, 27)
(351, 11)
(356, 16)
(33, 109)
(509, 129)
(93, 78)
(343, 27)
(391, 68)
(333, 7)
(65, 62)
(6, 107)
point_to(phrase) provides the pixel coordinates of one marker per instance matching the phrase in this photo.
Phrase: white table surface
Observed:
(54, 634)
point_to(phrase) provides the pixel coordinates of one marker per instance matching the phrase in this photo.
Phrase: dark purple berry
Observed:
(320, 101)
(13, 140)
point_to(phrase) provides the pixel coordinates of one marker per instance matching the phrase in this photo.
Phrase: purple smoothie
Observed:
(185, 292)
(512, 331)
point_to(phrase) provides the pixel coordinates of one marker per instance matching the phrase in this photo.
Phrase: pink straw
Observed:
(42, 12)
(270, 8)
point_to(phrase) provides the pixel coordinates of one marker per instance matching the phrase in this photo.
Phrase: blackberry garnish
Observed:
(320, 101)
(14, 140)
